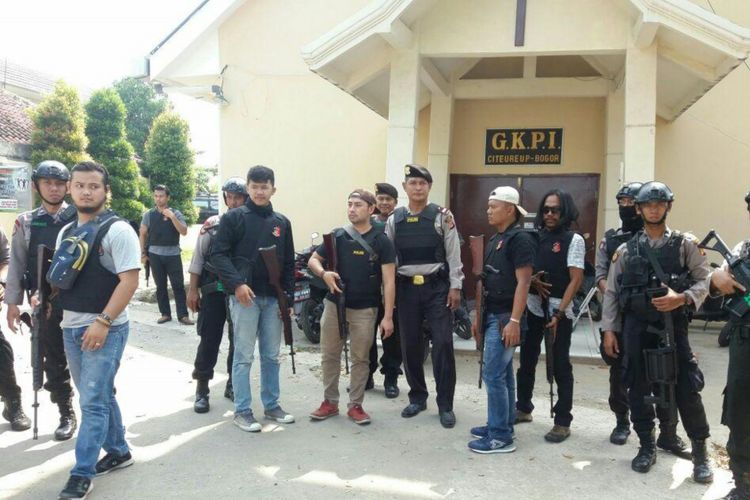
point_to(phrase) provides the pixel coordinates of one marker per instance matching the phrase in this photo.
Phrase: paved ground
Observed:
(180, 454)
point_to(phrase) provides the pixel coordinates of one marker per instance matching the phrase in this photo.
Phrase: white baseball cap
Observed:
(508, 195)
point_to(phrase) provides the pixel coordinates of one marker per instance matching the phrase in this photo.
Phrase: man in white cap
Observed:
(508, 264)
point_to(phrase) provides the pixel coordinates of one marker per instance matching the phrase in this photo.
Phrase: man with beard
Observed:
(386, 197)
(429, 279)
(736, 414)
(160, 232)
(558, 274)
(41, 226)
(95, 327)
(253, 303)
(366, 261)
(208, 297)
(618, 393)
(658, 259)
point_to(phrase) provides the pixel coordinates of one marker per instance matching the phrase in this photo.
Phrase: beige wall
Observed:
(704, 155)
(321, 142)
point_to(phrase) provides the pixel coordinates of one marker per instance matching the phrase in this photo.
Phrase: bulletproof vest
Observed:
(416, 239)
(208, 273)
(359, 270)
(44, 231)
(246, 258)
(613, 241)
(500, 280)
(95, 284)
(552, 258)
(638, 275)
(161, 231)
(744, 320)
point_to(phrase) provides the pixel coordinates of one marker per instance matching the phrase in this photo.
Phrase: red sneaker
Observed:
(327, 409)
(359, 416)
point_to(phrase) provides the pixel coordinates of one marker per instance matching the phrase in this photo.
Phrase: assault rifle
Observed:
(270, 259)
(661, 362)
(737, 304)
(549, 356)
(331, 264)
(476, 245)
(39, 318)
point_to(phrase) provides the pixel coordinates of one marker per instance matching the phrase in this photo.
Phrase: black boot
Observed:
(646, 456)
(201, 397)
(391, 386)
(741, 490)
(621, 431)
(68, 422)
(670, 441)
(701, 467)
(229, 390)
(14, 414)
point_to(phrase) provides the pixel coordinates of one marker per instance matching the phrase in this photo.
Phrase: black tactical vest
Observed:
(613, 241)
(246, 258)
(638, 275)
(744, 320)
(359, 270)
(44, 231)
(161, 231)
(416, 240)
(208, 273)
(552, 258)
(95, 284)
(500, 280)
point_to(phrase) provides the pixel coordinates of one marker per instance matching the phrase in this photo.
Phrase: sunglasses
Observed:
(551, 210)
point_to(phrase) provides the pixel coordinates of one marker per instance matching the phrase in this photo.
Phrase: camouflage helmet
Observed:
(629, 190)
(51, 169)
(235, 185)
(654, 191)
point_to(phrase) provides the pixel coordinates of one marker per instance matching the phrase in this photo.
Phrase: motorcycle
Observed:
(595, 306)
(712, 309)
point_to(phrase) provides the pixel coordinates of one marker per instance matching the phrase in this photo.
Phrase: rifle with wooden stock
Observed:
(270, 259)
(476, 245)
(331, 264)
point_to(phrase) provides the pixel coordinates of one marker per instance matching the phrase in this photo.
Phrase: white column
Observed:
(613, 159)
(640, 113)
(439, 149)
(403, 106)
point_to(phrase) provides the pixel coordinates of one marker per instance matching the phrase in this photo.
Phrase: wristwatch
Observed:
(106, 317)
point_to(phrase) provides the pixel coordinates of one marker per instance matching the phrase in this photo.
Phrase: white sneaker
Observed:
(246, 421)
(279, 415)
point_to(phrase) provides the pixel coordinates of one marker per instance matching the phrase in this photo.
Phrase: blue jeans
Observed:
(497, 373)
(259, 322)
(94, 376)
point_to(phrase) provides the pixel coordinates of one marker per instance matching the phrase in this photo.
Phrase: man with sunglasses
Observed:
(659, 274)
(618, 393)
(736, 414)
(558, 273)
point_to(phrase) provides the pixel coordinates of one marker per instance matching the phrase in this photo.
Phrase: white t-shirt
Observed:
(576, 255)
(121, 252)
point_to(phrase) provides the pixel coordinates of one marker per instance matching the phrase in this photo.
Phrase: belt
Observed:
(422, 279)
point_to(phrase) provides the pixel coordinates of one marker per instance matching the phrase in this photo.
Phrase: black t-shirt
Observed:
(363, 294)
(521, 252)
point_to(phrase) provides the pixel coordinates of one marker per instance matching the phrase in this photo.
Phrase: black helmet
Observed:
(235, 185)
(747, 197)
(51, 169)
(629, 190)
(654, 191)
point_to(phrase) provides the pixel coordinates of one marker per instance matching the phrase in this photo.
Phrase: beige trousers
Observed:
(361, 325)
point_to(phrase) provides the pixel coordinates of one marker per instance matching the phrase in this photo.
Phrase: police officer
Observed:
(253, 303)
(365, 262)
(736, 413)
(206, 295)
(41, 226)
(429, 277)
(558, 275)
(508, 264)
(631, 307)
(9, 389)
(618, 393)
(386, 198)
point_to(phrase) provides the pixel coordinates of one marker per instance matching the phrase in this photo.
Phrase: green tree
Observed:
(105, 129)
(170, 161)
(59, 127)
(143, 106)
